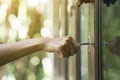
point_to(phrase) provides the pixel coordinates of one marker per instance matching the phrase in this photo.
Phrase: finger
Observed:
(62, 52)
(76, 45)
(59, 53)
(71, 48)
(66, 49)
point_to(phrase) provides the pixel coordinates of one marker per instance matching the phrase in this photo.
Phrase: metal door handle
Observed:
(113, 45)
(105, 43)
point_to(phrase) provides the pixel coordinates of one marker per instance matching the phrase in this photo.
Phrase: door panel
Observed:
(80, 24)
(87, 36)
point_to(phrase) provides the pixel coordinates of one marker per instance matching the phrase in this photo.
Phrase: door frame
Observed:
(98, 41)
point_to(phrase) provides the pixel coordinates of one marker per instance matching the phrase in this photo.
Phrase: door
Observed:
(83, 24)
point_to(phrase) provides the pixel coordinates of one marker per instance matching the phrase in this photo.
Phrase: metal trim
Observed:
(98, 42)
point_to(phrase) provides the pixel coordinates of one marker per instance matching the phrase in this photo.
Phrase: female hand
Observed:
(63, 46)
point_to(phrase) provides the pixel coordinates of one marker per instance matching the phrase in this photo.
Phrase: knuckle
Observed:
(68, 37)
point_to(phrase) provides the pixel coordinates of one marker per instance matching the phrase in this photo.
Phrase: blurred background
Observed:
(26, 19)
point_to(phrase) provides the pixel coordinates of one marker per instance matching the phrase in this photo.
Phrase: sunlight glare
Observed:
(3, 11)
(45, 32)
(47, 23)
(22, 32)
(47, 62)
(32, 3)
(43, 1)
(14, 22)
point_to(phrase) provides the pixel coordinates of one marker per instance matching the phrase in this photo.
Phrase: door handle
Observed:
(113, 45)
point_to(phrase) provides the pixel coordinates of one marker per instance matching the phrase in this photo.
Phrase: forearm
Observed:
(64, 47)
(12, 51)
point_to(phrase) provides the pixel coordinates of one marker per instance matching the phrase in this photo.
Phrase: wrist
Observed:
(48, 44)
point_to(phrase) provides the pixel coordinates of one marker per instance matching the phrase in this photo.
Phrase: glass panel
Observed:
(110, 29)
(84, 38)
(87, 36)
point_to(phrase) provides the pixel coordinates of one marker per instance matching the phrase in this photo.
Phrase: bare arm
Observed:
(64, 47)
(12, 51)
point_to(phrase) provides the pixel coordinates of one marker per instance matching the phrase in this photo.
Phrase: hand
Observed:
(63, 46)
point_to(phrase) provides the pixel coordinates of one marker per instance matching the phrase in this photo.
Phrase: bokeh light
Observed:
(45, 32)
(31, 76)
(43, 1)
(18, 21)
(35, 60)
(14, 22)
(22, 32)
(47, 23)
(47, 62)
(32, 3)
(3, 9)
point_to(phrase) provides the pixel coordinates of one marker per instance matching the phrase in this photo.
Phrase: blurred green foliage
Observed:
(111, 29)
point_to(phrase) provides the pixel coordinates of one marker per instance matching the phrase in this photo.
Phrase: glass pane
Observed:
(87, 36)
(84, 38)
(110, 29)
